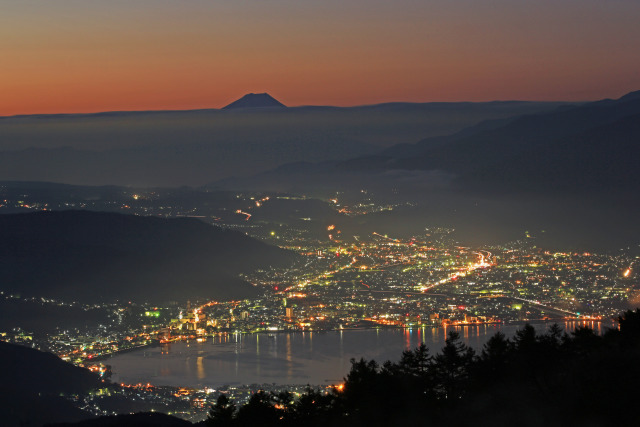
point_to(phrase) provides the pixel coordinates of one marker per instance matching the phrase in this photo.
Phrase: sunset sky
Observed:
(68, 56)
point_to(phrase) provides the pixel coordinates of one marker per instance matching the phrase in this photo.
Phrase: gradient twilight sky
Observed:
(67, 56)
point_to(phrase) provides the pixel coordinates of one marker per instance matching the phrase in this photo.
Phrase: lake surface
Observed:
(317, 358)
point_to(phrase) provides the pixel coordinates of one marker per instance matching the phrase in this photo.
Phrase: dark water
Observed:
(285, 358)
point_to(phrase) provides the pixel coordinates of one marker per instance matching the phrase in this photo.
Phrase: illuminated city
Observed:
(337, 283)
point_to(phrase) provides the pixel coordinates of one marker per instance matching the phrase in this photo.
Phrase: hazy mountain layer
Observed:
(591, 147)
(199, 147)
(572, 149)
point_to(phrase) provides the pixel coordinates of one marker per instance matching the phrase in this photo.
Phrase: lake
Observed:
(317, 358)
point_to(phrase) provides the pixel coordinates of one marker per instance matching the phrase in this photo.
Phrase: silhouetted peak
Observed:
(255, 100)
(631, 96)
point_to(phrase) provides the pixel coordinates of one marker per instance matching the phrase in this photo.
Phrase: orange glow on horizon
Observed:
(80, 57)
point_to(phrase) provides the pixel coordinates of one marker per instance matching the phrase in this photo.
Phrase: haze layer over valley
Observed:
(173, 148)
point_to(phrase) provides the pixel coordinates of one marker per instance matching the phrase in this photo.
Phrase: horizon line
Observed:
(179, 110)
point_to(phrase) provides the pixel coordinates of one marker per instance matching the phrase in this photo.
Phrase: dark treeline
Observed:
(533, 379)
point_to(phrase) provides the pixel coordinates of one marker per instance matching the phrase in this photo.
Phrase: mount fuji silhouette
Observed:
(255, 100)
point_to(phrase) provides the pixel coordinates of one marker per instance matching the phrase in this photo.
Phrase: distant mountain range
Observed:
(595, 146)
(173, 148)
(77, 255)
(572, 148)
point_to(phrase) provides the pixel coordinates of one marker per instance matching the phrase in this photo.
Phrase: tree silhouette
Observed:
(629, 335)
(314, 408)
(525, 338)
(492, 363)
(415, 362)
(258, 411)
(222, 412)
(450, 369)
(362, 390)
(284, 403)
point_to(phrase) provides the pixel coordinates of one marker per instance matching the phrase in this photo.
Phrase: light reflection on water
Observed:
(288, 358)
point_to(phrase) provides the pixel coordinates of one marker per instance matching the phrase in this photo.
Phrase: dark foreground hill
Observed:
(90, 256)
(26, 369)
(148, 419)
(31, 383)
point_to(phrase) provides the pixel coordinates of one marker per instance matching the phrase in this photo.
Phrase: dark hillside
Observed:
(90, 255)
(149, 419)
(26, 369)
(31, 382)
